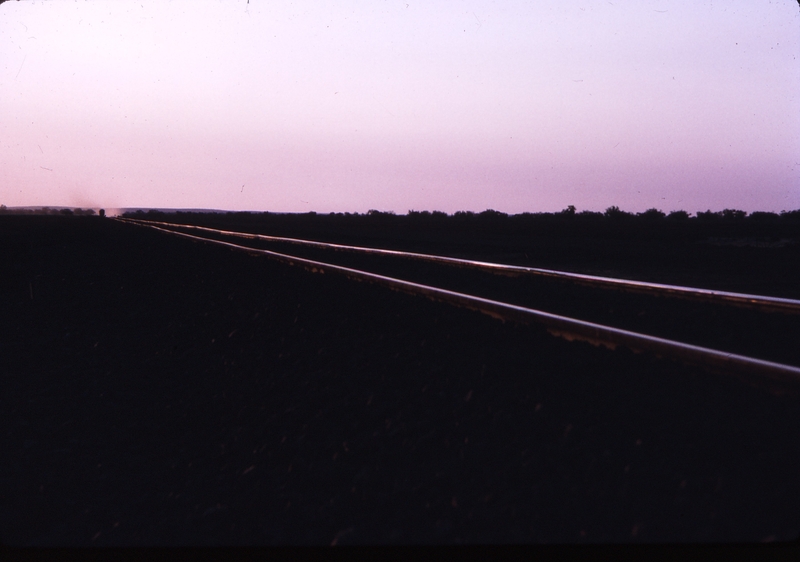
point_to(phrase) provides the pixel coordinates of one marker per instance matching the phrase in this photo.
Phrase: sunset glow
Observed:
(350, 106)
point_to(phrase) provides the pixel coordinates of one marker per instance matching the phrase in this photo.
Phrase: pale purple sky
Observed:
(398, 105)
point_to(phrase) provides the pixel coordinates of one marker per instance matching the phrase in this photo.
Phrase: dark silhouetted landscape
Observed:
(161, 391)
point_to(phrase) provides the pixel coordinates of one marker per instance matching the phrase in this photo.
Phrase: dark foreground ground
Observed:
(157, 391)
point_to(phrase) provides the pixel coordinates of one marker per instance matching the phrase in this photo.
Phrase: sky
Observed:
(334, 106)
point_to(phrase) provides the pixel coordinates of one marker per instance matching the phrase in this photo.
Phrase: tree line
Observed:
(611, 214)
(78, 212)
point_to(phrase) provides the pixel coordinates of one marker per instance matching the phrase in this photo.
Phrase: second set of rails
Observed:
(571, 328)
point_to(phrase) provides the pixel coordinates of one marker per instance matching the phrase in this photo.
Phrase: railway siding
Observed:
(734, 325)
(780, 377)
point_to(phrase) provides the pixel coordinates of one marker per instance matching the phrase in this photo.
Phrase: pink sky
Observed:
(350, 106)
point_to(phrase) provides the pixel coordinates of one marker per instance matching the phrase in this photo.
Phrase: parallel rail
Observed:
(560, 326)
(759, 302)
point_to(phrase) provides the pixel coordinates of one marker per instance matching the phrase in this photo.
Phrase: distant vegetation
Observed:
(46, 211)
(491, 227)
(611, 215)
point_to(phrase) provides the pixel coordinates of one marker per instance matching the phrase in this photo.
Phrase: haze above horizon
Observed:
(350, 106)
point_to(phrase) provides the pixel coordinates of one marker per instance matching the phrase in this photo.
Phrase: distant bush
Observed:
(678, 215)
(380, 214)
(427, 215)
(707, 215)
(616, 213)
(492, 214)
(726, 214)
(418, 214)
(761, 216)
(651, 214)
(733, 214)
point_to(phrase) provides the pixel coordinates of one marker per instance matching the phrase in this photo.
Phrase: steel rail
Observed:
(764, 303)
(564, 327)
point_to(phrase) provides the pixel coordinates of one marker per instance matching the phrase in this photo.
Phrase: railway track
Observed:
(691, 325)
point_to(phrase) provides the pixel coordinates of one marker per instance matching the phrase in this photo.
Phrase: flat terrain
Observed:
(158, 391)
(752, 255)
